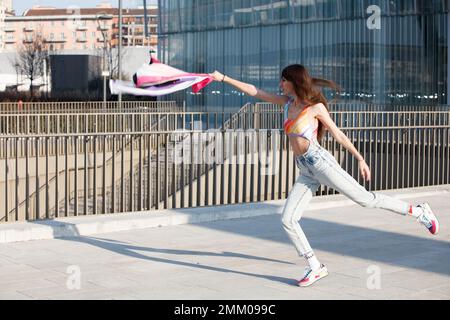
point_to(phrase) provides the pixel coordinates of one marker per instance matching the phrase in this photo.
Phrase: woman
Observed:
(306, 119)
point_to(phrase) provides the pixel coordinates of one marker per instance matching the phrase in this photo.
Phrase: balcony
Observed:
(82, 28)
(81, 39)
(27, 40)
(28, 29)
(55, 40)
(10, 40)
(9, 29)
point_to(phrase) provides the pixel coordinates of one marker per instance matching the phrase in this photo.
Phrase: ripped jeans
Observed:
(318, 166)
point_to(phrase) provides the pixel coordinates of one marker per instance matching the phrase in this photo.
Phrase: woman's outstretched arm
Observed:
(250, 89)
(322, 114)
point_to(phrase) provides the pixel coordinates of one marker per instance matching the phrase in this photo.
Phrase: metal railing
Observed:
(249, 117)
(361, 106)
(70, 174)
(88, 106)
(26, 124)
(268, 115)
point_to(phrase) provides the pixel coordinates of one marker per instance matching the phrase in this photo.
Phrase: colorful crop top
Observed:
(301, 126)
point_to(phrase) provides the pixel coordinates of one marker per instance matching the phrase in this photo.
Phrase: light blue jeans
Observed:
(318, 166)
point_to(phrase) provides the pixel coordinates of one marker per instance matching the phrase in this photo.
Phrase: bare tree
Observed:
(113, 62)
(32, 59)
(111, 56)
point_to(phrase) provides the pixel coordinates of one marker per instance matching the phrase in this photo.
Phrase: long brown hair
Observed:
(307, 88)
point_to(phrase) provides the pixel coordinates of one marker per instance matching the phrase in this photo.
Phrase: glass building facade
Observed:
(378, 51)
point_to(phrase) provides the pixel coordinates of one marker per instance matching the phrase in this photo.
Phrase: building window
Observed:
(63, 36)
(62, 23)
(93, 34)
(52, 36)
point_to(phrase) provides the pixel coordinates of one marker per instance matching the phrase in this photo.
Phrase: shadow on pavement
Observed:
(354, 241)
(130, 250)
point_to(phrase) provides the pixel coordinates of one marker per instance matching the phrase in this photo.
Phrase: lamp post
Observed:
(145, 20)
(17, 67)
(105, 73)
(119, 51)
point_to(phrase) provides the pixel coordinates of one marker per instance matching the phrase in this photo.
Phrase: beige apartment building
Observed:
(80, 28)
(5, 10)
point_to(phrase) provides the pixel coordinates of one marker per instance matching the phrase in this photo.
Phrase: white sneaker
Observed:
(428, 219)
(312, 276)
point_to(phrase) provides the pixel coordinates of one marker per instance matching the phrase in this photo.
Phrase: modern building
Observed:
(84, 71)
(76, 28)
(378, 51)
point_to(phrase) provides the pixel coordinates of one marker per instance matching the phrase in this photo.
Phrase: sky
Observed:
(21, 5)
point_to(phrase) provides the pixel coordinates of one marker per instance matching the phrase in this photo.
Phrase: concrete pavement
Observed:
(370, 254)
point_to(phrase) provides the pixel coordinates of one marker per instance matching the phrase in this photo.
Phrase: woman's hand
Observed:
(364, 170)
(217, 76)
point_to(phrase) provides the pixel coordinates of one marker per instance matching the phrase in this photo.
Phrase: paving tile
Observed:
(442, 289)
(24, 284)
(60, 289)
(13, 295)
(249, 258)
(429, 295)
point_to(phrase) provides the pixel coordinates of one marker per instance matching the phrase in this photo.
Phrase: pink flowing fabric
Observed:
(157, 79)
